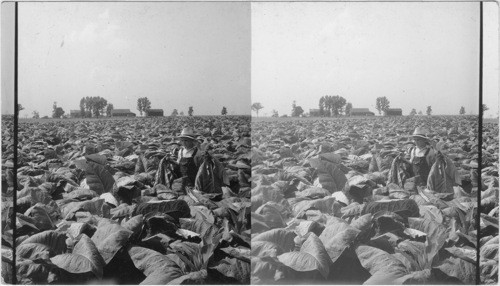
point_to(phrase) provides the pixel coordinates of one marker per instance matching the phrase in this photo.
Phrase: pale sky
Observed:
(415, 54)
(214, 54)
(176, 54)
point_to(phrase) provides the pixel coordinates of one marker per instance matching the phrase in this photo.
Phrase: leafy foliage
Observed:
(57, 111)
(143, 104)
(382, 104)
(331, 105)
(90, 210)
(256, 107)
(462, 110)
(329, 207)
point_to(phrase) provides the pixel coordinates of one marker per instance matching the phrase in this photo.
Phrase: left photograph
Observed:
(133, 143)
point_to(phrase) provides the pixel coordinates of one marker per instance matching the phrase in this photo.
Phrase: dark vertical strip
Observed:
(16, 116)
(480, 145)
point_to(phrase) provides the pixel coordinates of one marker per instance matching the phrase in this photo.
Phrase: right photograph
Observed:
(374, 143)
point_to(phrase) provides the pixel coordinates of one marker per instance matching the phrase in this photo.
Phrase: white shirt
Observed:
(417, 152)
(185, 153)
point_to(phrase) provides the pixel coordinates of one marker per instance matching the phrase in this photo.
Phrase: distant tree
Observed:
(109, 109)
(331, 105)
(338, 104)
(98, 106)
(190, 111)
(420, 112)
(182, 113)
(89, 103)
(82, 107)
(296, 110)
(299, 111)
(174, 113)
(413, 112)
(382, 104)
(462, 110)
(322, 106)
(143, 104)
(429, 110)
(20, 107)
(36, 115)
(93, 106)
(484, 108)
(348, 109)
(256, 107)
(224, 110)
(57, 112)
(275, 113)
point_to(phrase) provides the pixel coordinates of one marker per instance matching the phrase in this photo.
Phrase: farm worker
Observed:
(188, 158)
(422, 155)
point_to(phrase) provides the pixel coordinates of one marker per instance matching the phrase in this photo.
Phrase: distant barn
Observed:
(75, 114)
(361, 112)
(122, 112)
(314, 112)
(393, 112)
(154, 112)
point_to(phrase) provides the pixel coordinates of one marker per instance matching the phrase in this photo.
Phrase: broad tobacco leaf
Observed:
(272, 216)
(436, 234)
(41, 217)
(158, 268)
(337, 236)
(405, 208)
(98, 178)
(109, 238)
(415, 252)
(459, 268)
(312, 256)
(134, 224)
(55, 241)
(234, 268)
(330, 175)
(201, 227)
(384, 267)
(327, 205)
(94, 206)
(33, 251)
(197, 277)
(176, 208)
(84, 258)
(273, 242)
(465, 253)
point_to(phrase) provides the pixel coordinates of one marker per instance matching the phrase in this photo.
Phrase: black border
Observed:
(16, 115)
(16, 111)
(480, 148)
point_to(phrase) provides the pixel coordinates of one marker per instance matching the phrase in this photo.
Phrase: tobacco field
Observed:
(329, 208)
(310, 201)
(93, 205)
(489, 205)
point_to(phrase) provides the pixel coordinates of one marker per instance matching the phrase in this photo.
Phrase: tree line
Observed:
(337, 105)
(96, 106)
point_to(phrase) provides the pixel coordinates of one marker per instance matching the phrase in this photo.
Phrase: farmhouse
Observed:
(122, 112)
(154, 112)
(361, 112)
(393, 112)
(75, 114)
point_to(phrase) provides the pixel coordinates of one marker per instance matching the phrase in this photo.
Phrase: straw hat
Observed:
(187, 133)
(421, 133)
